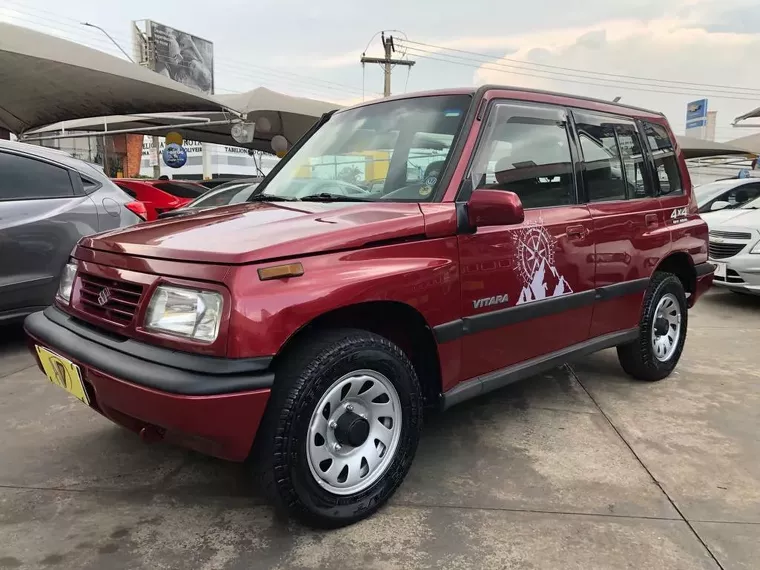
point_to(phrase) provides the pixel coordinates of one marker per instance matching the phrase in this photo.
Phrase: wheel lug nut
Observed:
(333, 424)
(337, 447)
(349, 408)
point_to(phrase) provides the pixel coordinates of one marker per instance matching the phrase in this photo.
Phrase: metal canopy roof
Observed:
(45, 79)
(282, 114)
(751, 142)
(698, 148)
(751, 115)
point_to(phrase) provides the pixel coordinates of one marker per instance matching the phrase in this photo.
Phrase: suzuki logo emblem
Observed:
(104, 296)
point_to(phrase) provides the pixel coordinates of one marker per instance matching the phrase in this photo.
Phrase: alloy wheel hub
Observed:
(354, 432)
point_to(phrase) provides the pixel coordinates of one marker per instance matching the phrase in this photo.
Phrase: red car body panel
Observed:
(155, 199)
(190, 421)
(404, 253)
(247, 233)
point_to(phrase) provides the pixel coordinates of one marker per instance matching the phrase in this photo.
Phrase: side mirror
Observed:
(494, 208)
(719, 205)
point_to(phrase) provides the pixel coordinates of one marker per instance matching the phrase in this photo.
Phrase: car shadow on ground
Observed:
(166, 469)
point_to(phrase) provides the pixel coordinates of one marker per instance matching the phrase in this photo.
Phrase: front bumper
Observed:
(213, 405)
(742, 273)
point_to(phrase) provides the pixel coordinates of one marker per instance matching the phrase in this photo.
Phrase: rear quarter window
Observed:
(666, 172)
(23, 178)
(127, 190)
(181, 190)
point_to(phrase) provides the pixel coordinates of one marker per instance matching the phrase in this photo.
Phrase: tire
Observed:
(639, 358)
(283, 457)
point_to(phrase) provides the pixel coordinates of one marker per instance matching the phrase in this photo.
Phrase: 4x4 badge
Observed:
(679, 213)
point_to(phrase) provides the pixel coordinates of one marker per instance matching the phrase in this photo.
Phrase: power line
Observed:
(388, 61)
(530, 65)
(500, 69)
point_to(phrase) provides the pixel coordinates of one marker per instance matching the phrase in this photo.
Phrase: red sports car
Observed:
(160, 195)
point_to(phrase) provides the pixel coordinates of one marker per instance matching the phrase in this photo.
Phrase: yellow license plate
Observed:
(62, 372)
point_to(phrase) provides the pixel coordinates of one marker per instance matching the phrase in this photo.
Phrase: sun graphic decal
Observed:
(534, 261)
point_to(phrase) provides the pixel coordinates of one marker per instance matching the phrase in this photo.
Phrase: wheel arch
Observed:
(681, 265)
(397, 321)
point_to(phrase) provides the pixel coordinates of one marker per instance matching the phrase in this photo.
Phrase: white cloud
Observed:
(666, 49)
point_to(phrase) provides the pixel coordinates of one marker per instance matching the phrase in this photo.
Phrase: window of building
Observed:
(665, 162)
(526, 150)
(29, 179)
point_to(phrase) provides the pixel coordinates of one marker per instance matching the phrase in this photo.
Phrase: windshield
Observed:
(751, 205)
(394, 151)
(224, 195)
(706, 192)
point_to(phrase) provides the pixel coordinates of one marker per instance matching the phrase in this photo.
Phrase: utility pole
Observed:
(387, 61)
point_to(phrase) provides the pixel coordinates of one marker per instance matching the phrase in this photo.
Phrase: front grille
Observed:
(730, 235)
(109, 299)
(724, 250)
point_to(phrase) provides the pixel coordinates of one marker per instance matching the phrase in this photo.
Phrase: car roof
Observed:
(624, 108)
(727, 183)
(51, 154)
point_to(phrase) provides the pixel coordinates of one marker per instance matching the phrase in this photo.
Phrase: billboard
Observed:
(182, 57)
(696, 114)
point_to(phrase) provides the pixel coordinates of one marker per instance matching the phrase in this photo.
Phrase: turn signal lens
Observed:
(281, 271)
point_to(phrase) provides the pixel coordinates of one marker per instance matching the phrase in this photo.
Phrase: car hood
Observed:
(735, 217)
(246, 233)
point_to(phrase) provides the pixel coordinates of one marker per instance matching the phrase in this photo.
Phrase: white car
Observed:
(735, 247)
(726, 194)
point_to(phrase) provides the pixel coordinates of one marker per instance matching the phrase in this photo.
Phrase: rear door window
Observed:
(603, 172)
(181, 189)
(667, 176)
(637, 180)
(23, 178)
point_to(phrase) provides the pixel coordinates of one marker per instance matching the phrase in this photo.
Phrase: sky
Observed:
(312, 49)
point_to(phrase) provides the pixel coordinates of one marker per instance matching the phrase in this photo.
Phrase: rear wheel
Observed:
(662, 331)
(341, 427)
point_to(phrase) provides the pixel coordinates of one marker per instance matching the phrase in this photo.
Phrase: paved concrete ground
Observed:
(582, 468)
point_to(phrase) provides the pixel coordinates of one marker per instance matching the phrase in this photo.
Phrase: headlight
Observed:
(756, 248)
(185, 312)
(67, 282)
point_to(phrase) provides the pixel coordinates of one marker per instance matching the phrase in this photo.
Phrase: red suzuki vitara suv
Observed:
(411, 251)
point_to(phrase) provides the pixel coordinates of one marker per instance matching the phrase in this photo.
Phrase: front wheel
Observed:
(662, 331)
(341, 427)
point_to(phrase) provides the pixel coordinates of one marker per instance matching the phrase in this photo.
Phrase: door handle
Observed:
(652, 221)
(576, 232)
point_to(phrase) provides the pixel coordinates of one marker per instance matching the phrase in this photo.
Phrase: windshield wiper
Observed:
(328, 197)
(268, 198)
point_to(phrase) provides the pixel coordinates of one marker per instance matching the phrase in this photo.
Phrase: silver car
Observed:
(48, 200)
(735, 247)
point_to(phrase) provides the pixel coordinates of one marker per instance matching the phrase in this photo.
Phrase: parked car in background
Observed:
(726, 194)
(160, 195)
(48, 200)
(306, 330)
(215, 182)
(232, 192)
(735, 247)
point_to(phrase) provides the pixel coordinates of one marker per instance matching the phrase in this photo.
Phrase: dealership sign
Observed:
(696, 114)
(175, 156)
